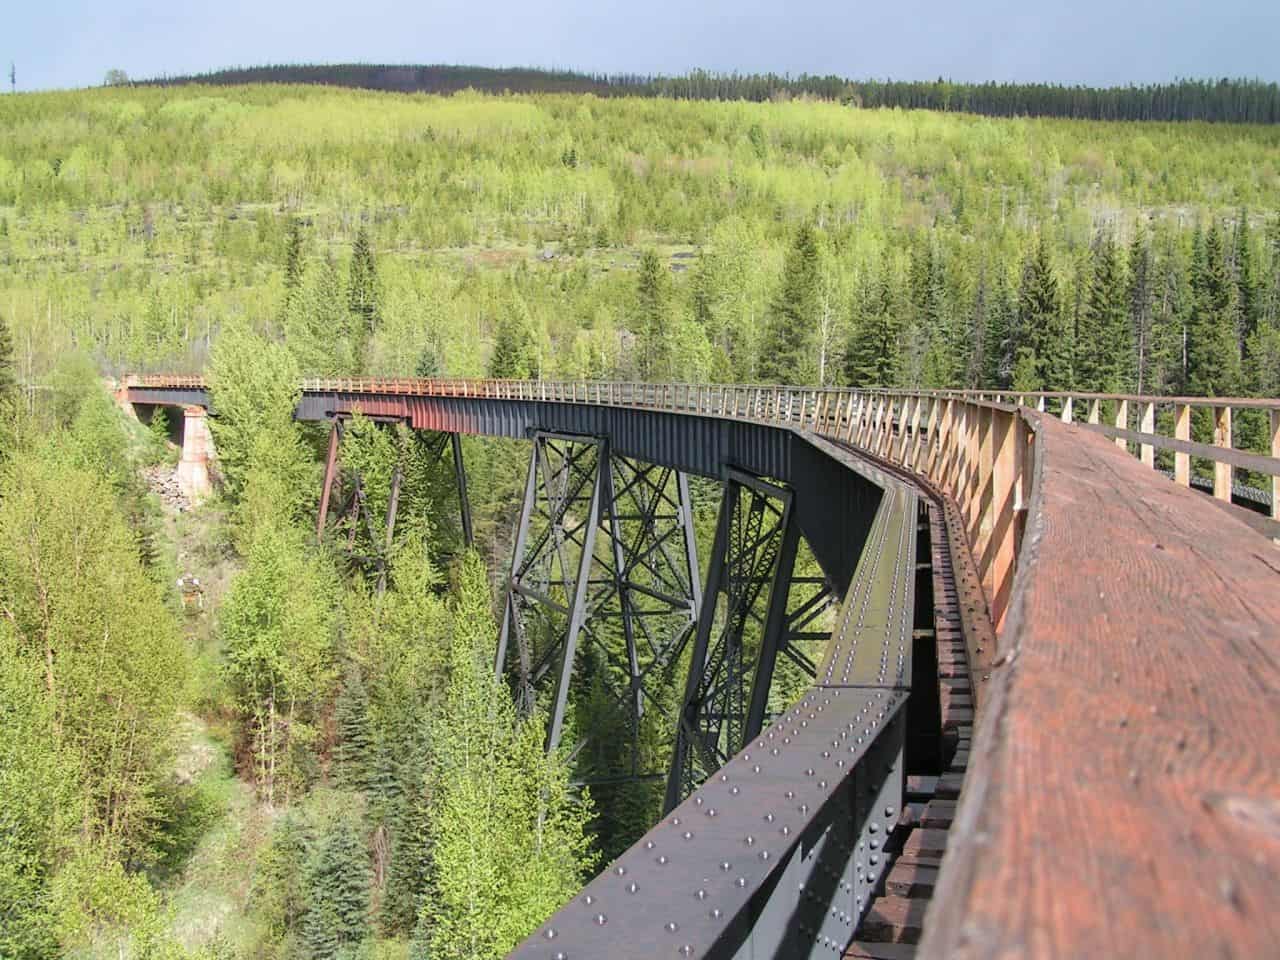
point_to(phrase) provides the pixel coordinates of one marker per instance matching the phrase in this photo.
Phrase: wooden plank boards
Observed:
(1123, 791)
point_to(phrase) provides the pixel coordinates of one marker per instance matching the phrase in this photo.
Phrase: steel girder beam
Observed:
(604, 568)
(736, 648)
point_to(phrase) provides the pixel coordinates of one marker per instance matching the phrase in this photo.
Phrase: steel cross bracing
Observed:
(603, 585)
(787, 838)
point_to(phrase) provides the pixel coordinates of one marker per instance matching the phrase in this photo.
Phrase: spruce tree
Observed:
(513, 355)
(1040, 357)
(1213, 356)
(8, 370)
(976, 334)
(337, 879)
(1103, 335)
(1247, 293)
(362, 294)
(871, 355)
(428, 365)
(353, 754)
(1140, 317)
(788, 351)
(1000, 335)
(293, 266)
(652, 321)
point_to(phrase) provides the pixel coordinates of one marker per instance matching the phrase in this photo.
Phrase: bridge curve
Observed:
(1123, 795)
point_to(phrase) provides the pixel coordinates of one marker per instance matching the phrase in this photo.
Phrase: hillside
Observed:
(1223, 101)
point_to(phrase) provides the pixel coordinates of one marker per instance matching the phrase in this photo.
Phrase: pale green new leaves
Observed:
(278, 625)
(111, 663)
(508, 840)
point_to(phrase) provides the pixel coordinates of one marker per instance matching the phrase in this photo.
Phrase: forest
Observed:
(311, 757)
(1223, 101)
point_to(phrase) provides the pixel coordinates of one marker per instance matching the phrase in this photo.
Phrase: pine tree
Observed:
(788, 351)
(1213, 353)
(652, 322)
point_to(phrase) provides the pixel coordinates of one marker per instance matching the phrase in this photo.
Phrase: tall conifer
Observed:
(788, 352)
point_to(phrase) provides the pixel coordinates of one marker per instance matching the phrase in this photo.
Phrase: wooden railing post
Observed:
(1067, 410)
(1222, 438)
(1002, 548)
(1182, 431)
(1094, 411)
(1275, 452)
(1122, 422)
(1147, 424)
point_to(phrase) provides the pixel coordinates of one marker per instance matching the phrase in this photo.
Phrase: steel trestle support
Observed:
(603, 590)
(744, 625)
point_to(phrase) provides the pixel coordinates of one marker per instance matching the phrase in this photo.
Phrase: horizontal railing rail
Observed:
(1126, 729)
(972, 444)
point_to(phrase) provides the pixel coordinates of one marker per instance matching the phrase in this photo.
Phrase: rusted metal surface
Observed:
(1123, 798)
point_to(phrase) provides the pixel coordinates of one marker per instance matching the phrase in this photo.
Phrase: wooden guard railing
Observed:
(973, 445)
(1123, 795)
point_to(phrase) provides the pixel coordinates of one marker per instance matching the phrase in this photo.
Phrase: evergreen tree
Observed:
(409, 863)
(1213, 354)
(1140, 311)
(1247, 293)
(976, 334)
(354, 751)
(652, 322)
(1103, 332)
(362, 295)
(8, 370)
(428, 365)
(1000, 337)
(293, 266)
(1040, 356)
(871, 356)
(513, 355)
(788, 351)
(337, 879)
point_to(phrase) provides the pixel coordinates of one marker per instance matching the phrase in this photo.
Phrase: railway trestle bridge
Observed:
(966, 676)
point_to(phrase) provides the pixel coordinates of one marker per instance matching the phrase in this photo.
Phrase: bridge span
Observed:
(1039, 641)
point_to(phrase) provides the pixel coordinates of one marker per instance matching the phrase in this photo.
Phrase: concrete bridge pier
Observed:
(193, 467)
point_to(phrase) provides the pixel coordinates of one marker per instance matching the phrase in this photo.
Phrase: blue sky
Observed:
(64, 43)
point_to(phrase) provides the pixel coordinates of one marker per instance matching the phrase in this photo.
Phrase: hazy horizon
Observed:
(1094, 43)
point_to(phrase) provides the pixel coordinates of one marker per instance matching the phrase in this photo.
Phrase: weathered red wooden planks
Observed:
(1123, 793)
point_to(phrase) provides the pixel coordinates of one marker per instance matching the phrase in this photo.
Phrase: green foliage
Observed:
(791, 328)
(336, 883)
(514, 351)
(1102, 337)
(254, 387)
(508, 844)
(278, 626)
(652, 320)
(81, 605)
